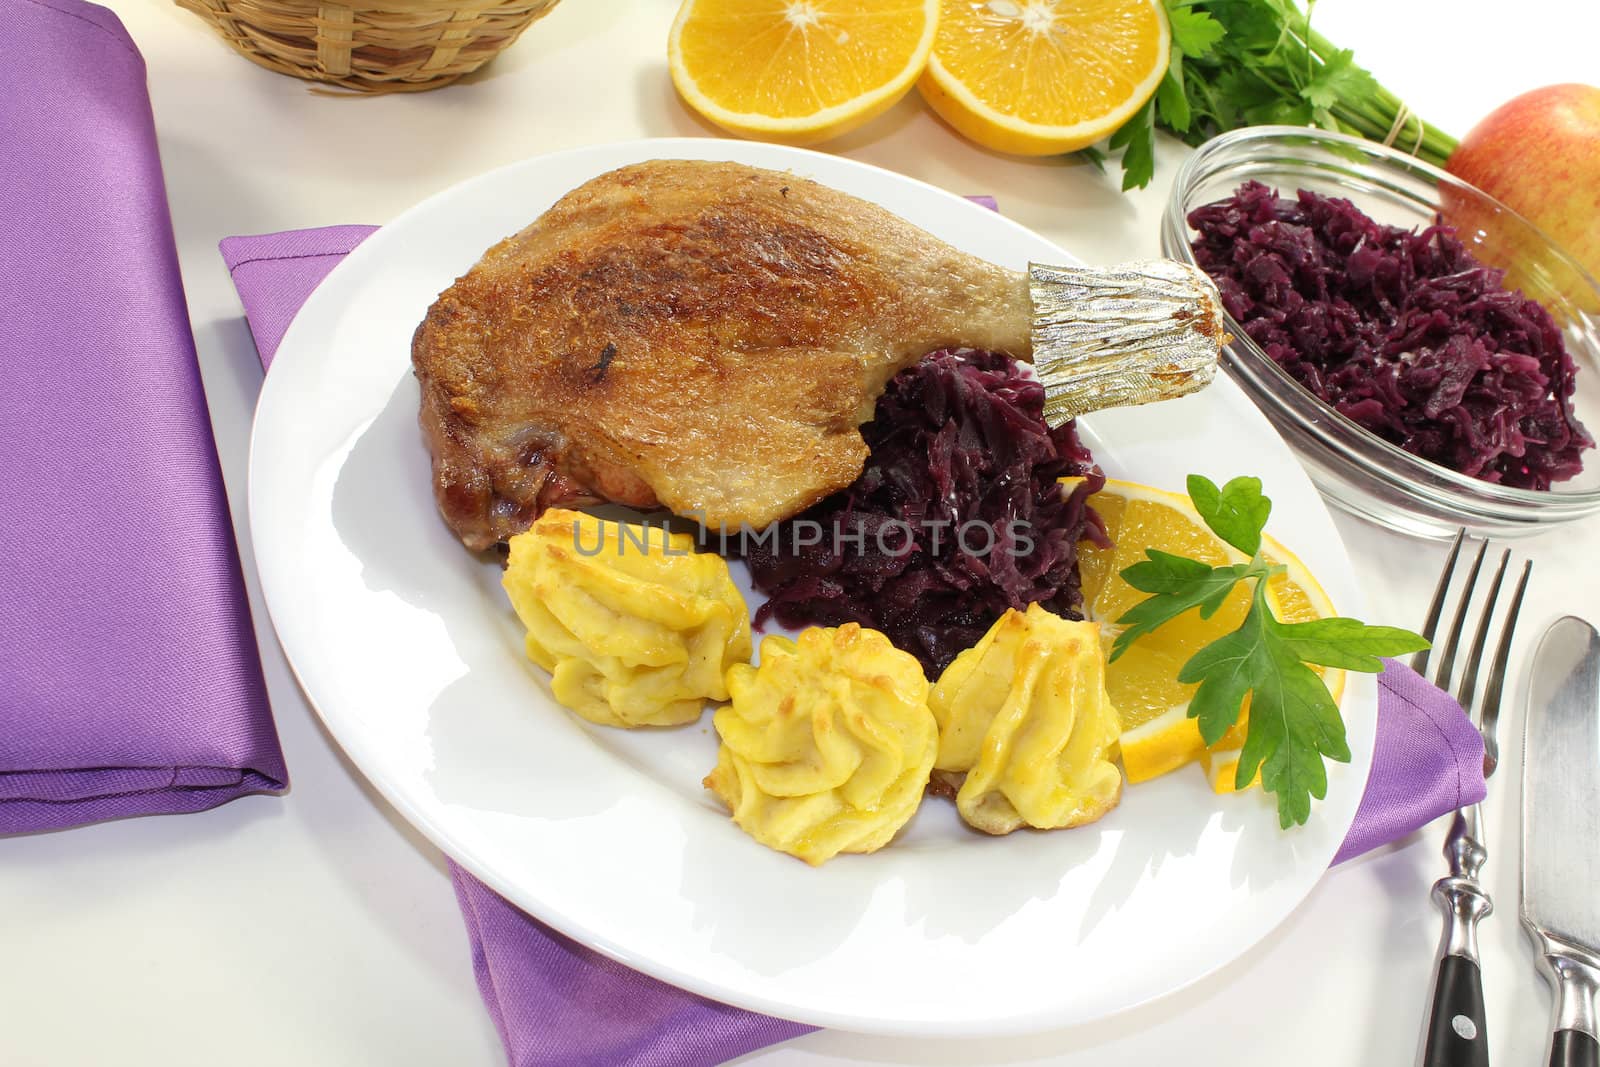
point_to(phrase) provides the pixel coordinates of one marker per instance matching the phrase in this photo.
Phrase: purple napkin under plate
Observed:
(559, 1004)
(130, 683)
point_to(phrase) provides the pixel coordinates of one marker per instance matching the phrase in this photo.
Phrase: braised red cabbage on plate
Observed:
(959, 443)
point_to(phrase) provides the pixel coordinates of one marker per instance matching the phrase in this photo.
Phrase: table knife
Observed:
(1561, 832)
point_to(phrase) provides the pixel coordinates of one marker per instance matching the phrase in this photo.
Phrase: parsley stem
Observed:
(1381, 112)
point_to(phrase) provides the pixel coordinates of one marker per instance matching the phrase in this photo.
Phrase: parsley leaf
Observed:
(1237, 512)
(1347, 644)
(1172, 103)
(1294, 724)
(1137, 139)
(1178, 584)
(1339, 78)
(1225, 669)
(1195, 32)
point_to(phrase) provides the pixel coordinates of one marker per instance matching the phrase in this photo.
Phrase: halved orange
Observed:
(1039, 77)
(798, 71)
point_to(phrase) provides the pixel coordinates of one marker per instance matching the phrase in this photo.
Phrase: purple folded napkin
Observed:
(559, 1004)
(130, 683)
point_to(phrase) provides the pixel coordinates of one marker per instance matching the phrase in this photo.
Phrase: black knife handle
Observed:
(1574, 974)
(1574, 1048)
(1456, 1032)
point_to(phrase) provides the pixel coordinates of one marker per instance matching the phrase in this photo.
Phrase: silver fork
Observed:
(1456, 1034)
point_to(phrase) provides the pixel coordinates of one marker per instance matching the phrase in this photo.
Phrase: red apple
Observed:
(1540, 154)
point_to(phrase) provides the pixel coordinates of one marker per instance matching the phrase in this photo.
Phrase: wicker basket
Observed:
(385, 47)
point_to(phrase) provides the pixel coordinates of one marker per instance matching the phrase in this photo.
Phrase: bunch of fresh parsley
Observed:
(1294, 723)
(1251, 62)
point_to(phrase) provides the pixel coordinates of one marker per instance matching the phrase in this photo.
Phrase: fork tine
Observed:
(1452, 644)
(1469, 676)
(1419, 662)
(1496, 684)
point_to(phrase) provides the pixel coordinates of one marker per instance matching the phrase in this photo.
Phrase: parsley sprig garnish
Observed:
(1294, 723)
(1247, 62)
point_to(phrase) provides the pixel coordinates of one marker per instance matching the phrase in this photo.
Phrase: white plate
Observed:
(408, 649)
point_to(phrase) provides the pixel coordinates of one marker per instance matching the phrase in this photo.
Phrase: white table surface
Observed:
(319, 929)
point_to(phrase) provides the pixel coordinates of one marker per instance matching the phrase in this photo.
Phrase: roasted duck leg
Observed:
(707, 337)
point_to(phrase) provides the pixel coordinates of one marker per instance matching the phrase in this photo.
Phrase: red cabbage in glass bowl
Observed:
(1354, 467)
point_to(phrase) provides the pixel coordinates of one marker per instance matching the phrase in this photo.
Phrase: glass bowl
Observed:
(1353, 467)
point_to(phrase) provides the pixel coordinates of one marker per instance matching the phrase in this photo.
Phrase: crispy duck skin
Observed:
(702, 336)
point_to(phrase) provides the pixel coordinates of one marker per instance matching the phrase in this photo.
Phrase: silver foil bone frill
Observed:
(1108, 337)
